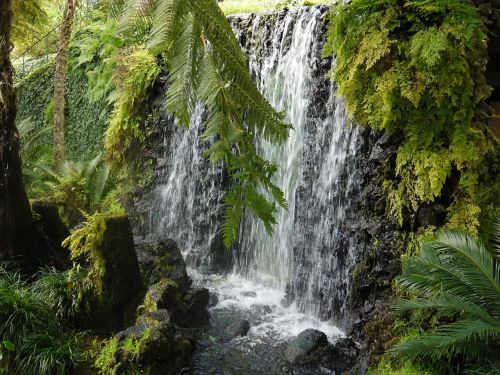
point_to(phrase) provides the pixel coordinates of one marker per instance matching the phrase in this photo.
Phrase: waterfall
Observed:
(310, 256)
(189, 192)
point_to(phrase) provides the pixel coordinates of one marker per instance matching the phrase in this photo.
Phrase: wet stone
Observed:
(299, 350)
(238, 328)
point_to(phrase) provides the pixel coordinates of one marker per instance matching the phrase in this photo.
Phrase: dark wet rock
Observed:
(196, 301)
(159, 259)
(249, 294)
(339, 357)
(262, 309)
(302, 348)
(213, 300)
(52, 227)
(238, 328)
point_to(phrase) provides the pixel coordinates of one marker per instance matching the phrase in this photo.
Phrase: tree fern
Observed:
(458, 277)
(205, 64)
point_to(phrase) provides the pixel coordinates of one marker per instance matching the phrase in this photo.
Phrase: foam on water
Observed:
(266, 306)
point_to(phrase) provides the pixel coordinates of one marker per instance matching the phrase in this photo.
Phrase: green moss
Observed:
(418, 67)
(150, 300)
(135, 73)
(407, 368)
(105, 361)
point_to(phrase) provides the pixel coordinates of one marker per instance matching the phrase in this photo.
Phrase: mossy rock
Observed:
(164, 294)
(161, 258)
(121, 283)
(49, 222)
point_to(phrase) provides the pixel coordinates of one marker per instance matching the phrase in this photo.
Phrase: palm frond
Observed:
(456, 276)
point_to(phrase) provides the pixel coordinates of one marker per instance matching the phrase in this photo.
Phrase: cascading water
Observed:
(299, 277)
(189, 192)
(317, 168)
(282, 77)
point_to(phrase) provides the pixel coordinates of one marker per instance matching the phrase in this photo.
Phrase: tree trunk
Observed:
(20, 239)
(60, 81)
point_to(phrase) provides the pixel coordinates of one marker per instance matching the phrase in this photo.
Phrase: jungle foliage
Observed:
(37, 333)
(417, 67)
(457, 277)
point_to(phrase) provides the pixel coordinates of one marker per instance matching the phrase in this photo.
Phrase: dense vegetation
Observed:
(419, 68)
(410, 67)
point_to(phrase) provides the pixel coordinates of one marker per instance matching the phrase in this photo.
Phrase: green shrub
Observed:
(82, 187)
(458, 279)
(41, 344)
(63, 292)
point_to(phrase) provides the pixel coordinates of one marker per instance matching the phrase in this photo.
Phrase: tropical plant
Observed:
(458, 277)
(205, 64)
(63, 292)
(40, 343)
(29, 18)
(79, 187)
(36, 155)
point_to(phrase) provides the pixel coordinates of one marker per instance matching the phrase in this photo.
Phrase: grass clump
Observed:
(35, 340)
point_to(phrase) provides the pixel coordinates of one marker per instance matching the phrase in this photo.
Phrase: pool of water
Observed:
(272, 324)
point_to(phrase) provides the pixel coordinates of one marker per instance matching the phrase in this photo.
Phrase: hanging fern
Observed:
(205, 64)
(417, 66)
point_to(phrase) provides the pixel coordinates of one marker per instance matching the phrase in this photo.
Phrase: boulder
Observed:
(160, 259)
(196, 301)
(237, 329)
(152, 346)
(213, 301)
(188, 310)
(303, 347)
(164, 295)
(122, 287)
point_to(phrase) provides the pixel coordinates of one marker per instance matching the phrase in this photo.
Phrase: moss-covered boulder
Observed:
(52, 227)
(187, 309)
(161, 258)
(152, 346)
(120, 284)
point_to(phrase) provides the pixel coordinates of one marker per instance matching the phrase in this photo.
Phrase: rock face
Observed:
(122, 287)
(237, 329)
(161, 258)
(302, 348)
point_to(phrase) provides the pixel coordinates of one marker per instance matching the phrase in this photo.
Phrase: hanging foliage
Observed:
(418, 67)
